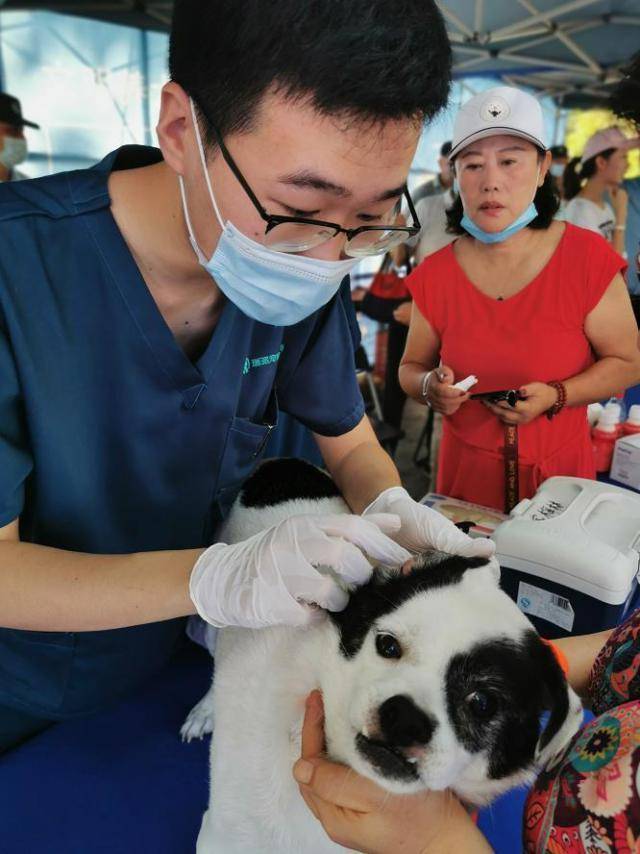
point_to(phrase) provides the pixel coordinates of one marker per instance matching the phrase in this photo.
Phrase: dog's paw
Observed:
(199, 721)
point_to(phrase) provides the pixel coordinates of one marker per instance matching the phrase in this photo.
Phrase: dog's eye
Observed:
(388, 647)
(482, 705)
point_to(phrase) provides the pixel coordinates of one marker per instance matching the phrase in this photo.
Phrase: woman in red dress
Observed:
(524, 303)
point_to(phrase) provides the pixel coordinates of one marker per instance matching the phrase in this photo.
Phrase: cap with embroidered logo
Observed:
(497, 111)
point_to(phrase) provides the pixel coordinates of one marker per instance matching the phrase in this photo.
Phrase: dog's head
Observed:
(439, 681)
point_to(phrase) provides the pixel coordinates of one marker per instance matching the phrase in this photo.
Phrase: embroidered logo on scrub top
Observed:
(261, 361)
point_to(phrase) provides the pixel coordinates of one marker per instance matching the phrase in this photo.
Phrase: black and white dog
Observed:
(431, 680)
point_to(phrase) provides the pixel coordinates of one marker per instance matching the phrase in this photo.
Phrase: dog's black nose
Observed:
(403, 723)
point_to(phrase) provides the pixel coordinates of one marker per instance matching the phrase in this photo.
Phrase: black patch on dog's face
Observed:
(384, 594)
(522, 680)
(279, 480)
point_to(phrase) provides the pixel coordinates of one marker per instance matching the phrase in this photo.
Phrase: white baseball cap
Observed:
(501, 110)
(605, 139)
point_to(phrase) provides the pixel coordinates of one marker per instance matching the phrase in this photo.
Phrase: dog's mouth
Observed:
(387, 760)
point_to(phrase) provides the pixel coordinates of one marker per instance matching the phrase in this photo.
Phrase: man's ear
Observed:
(562, 703)
(175, 126)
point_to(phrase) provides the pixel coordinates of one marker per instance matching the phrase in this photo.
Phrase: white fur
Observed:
(263, 677)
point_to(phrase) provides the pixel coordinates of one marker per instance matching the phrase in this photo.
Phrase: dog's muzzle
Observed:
(402, 725)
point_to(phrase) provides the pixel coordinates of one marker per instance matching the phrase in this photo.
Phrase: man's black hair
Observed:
(446, 148)
(365, 59)
(547, 201)
(625, 98)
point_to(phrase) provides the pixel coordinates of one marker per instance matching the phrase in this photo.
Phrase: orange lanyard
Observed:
(511, 473)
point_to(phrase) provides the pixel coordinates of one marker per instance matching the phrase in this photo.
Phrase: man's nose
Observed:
(403, 724)
(331, 250)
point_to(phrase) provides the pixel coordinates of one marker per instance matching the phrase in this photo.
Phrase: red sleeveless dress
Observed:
(535, 336)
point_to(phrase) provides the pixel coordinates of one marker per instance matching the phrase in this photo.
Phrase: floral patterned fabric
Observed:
(615, 677)
(589, 803)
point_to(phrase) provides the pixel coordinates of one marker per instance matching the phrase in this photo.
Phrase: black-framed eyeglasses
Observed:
(299, 234)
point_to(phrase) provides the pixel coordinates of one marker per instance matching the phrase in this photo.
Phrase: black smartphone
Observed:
(511, 395)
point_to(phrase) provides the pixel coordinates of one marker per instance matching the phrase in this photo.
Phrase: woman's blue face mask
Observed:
(527, 216)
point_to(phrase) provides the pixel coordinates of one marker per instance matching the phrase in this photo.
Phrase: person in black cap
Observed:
(431, 207)
(559, 160)
(443, 180)
(431, 202)
(13, 145)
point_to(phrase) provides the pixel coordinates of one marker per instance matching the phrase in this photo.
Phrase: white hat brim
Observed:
(495, 130)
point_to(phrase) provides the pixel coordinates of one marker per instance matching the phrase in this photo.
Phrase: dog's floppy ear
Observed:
(560, 700)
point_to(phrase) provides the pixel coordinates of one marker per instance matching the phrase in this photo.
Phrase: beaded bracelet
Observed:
(561, 402)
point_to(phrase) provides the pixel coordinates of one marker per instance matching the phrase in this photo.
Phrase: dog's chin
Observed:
(479, 792)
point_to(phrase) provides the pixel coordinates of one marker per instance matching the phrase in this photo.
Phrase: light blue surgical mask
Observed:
(527, 216)
(271, 287)
(557, 170)
(13, 153)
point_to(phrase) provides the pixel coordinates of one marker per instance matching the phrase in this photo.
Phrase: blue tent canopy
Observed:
(148, 14)
(571, 50)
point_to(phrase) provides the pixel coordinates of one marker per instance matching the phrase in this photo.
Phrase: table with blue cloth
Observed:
(122, 781)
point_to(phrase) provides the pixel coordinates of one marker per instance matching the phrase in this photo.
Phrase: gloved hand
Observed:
(273, 578)
(422, 528)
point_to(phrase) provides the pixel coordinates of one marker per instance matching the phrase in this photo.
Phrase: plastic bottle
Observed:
(594, 411)
(616, 404)
(632, 424)
(604, 437)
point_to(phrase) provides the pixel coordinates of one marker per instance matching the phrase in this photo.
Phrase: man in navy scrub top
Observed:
(156, 313)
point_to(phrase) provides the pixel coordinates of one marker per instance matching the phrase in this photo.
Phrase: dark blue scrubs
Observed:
(111, 439)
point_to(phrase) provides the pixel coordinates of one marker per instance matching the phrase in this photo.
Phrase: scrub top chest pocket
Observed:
(35, 669)
(244, 447)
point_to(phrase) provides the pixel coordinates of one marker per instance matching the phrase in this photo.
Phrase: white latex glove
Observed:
(422, 528)
(273, 577)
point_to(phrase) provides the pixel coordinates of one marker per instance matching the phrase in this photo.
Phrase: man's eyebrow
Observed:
(390, 194)
(310, 180)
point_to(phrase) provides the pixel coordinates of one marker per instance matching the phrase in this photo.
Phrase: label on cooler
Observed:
(626, 462)
(545, 605)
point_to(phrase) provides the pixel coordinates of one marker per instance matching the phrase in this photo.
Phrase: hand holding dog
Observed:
(422, 528)
(539, 398)
(272, 577)
(441, 395)
(359, 815)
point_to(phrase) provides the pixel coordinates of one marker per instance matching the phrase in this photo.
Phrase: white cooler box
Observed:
(570, 555)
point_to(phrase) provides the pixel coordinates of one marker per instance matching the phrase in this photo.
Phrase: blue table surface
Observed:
(122, 782)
